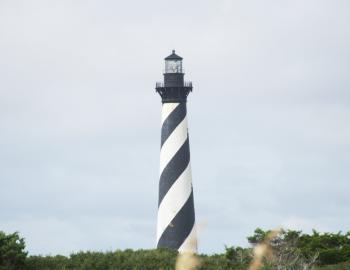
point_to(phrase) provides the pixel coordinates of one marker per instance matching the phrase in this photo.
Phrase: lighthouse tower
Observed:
(176, 218)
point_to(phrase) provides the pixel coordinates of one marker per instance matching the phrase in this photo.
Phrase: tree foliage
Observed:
(290, 250)
(12, 253)
(329, 248)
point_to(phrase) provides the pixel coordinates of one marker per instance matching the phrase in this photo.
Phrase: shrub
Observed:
(12, 254)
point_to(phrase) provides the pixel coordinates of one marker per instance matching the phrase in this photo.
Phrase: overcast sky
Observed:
(80, 119)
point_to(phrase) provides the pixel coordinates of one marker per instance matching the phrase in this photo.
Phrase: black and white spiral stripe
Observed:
(176, 217)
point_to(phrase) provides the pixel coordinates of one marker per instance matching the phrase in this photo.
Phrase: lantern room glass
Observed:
(173, 66)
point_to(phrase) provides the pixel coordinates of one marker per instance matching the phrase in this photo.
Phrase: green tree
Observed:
(329, 248)
(332, 247)
(12, 253)
(237, 257)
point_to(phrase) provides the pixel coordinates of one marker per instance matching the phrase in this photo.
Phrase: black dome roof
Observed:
(173, 56)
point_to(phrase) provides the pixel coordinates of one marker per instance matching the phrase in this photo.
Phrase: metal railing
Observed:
(161, 84)
(182, 71)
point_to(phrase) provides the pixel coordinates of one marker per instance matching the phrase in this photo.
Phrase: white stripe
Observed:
(174, 199)
(190, 244)
(167, 109)
(173, 144)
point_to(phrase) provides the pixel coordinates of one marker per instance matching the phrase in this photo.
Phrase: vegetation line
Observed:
(270, 250)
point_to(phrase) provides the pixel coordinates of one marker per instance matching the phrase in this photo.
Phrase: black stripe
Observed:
(174, 169)
(172, 121)
(180, 227)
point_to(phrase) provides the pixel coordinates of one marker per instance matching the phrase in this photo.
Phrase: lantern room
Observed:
(173, 63)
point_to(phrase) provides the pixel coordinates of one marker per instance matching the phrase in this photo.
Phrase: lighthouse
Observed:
(176, 216)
